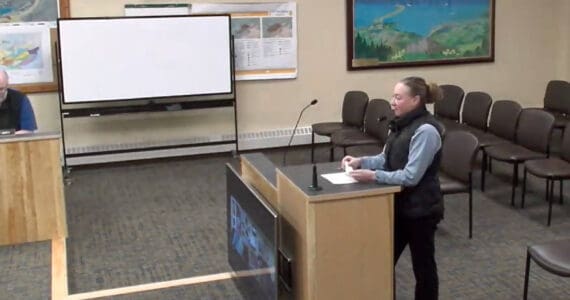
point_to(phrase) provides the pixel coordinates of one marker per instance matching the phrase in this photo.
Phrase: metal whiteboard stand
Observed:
(66, 113)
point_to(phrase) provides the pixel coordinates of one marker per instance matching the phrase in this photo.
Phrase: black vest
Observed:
(10, 110)
(424, 199)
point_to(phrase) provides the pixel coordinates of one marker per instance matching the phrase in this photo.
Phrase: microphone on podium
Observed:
(315, 181)
(295, 129)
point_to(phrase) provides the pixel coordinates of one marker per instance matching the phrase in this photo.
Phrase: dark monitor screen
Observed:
(7, 131)
(252, 238)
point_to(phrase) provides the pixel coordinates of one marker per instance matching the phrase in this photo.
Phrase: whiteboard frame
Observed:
(231, 74)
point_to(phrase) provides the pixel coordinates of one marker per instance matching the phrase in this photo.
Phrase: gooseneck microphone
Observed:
(295, 129)
(315, 181)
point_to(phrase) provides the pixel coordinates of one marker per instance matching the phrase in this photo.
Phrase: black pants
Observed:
(419, 234)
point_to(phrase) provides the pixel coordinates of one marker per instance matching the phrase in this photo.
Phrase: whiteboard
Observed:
(109, 59)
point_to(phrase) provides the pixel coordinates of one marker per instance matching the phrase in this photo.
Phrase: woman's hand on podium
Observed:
(349, 161)
(363, 175)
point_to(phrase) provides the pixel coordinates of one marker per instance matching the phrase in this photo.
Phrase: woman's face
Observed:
(402, 101)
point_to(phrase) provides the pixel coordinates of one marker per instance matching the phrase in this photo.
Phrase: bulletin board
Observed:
(43, 86)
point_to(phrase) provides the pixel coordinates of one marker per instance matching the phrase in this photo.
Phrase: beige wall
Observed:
(531, 47)
(564, 33)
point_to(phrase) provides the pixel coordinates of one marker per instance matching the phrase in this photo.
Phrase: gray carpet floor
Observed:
(163, 220)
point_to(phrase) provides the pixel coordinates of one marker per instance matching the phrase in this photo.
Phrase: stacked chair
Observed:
(553, 257)
(531, 142)
(447, 110)
(501, 130)
(475, 114)
(373, 136)
(353, 108)
(552, 169)
(458, 154)
(557, 102)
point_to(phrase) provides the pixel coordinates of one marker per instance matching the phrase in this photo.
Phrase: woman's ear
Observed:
(417, 99)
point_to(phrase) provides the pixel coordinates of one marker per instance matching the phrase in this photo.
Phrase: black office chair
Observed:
(532, 139)
(476, 108)
(501, 130)
(457, 159)
(557, 102)
(553, 257)
(378, 115)
(353, 108)
(553, 169)
(447, 109)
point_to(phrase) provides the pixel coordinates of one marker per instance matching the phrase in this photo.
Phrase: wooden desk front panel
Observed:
(293, 228)
(32, 206)
(352, 253)
(342, 249)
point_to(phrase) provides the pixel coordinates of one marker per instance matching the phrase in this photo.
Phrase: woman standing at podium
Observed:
(411, 158)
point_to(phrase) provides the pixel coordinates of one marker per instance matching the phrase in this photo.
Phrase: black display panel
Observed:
(252, 238)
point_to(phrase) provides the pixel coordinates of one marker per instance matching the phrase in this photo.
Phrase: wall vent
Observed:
(247, 141)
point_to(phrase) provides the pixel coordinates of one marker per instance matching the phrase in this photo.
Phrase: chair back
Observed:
(353, 108)
(476, 109)
(458, 154)
(557, 96)
(534, 129)
(504, 117)
(565, 147)
(378, 115)
(450, 105)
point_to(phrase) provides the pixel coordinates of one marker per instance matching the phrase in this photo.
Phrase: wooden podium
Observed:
(32, 206)
(340, 238)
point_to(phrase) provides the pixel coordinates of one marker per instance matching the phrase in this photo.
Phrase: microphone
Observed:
(315, 183)
(295, 129)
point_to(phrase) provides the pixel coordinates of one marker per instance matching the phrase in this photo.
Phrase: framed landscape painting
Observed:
(399, 33)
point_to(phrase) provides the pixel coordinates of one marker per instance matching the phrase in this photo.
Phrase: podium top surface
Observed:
(12, 138)
(301, 176)
(262, 164)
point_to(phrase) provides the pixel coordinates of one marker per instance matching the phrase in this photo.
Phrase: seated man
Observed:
(16, 112)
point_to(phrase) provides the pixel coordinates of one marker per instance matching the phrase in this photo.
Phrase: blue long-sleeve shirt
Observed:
(424, 144)
(27, 117)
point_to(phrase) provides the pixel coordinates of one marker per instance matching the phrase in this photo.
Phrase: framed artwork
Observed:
(402, 33)
(21, 10)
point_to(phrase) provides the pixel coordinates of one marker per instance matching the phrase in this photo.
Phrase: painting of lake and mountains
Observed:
(417, 32)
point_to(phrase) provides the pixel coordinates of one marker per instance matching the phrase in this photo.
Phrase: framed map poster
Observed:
(400, 33)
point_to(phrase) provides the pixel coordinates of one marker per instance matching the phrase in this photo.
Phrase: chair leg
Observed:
(312, 147)
(526, 275)
(332, 153)
(470, 207)
(515, 182)
(550, 196)
(523, 188)
(561, 193)
(547, 189)
(483, 170)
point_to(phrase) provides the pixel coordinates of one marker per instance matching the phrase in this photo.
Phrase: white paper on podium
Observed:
(339, 178)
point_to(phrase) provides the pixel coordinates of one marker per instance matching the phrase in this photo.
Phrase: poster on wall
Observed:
(29, 11)
(25, 53)
(265, 37)
(170, 9)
